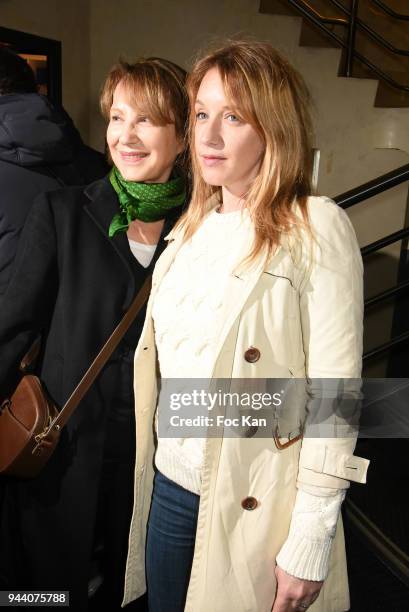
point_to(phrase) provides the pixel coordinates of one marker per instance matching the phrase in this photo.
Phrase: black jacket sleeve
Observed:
(8, 243)
(27, 305)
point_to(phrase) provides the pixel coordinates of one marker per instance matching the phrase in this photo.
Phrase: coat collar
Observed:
(102, 206)
(249, 275)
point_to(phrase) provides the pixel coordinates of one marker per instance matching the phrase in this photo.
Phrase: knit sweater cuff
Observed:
(304, 558)
(305, 554)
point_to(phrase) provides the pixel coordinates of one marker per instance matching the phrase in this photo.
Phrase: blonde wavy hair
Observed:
(270, 94)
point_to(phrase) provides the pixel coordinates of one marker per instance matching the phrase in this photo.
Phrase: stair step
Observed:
(282, 7)
(312, 37)
(277, 7)
(390, 97)
(386, 95)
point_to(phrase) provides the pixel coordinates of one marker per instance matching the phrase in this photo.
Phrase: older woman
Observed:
(260, 281)
(84, 255)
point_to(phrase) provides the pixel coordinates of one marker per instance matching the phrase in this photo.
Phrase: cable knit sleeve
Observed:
(305, 553)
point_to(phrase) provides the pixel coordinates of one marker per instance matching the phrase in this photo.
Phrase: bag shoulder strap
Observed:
(103, 356)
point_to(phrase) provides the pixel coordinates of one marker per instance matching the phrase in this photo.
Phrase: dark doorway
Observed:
(44, 57)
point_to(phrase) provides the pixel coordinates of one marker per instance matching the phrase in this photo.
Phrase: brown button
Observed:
(249, 503)
(252, 354)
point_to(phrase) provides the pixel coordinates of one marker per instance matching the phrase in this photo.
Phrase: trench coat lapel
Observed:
(239, 287)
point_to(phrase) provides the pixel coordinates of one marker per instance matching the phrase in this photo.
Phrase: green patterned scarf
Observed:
(145, 201)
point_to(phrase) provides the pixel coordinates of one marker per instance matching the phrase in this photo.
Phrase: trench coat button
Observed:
(249, 503)
(252, 354)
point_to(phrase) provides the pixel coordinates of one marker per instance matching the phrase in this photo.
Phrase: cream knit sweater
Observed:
(186, 313)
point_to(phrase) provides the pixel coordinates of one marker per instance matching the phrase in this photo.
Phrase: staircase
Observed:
(393, 30)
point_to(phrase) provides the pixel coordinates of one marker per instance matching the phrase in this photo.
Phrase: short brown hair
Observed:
(158, 83)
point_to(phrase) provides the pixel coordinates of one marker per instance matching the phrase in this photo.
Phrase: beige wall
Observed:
(68, 22)
(174, 29)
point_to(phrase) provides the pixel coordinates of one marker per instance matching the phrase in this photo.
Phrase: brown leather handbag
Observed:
(30, 423)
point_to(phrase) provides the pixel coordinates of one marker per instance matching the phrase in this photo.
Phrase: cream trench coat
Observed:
(305, 320)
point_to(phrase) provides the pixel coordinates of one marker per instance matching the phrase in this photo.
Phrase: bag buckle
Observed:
(5, 404)
(41, 438)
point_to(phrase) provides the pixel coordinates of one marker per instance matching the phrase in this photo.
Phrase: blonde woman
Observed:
(260, 280)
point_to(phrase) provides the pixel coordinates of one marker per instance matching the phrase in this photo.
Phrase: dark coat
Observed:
(40, 150)
(73, 284)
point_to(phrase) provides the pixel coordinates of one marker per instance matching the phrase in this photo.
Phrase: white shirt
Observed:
(142, 252)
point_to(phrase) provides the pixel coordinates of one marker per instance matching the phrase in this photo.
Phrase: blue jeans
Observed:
(170, 544)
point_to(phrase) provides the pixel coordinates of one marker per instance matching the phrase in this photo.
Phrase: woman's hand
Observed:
(293, 593)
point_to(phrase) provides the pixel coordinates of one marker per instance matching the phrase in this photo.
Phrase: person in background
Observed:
(261, 280)
(83, 256)
(40, 150)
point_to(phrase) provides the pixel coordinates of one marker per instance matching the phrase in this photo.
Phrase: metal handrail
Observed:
(385, 295)
(390, 11)
(314, 17)
(351, 38)
(371, 188)
(310, 13)
(372, 33)
(383, 242)
(359, 194)
(386, 346)
(322, 18)
(382, 41)
(382, 546)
